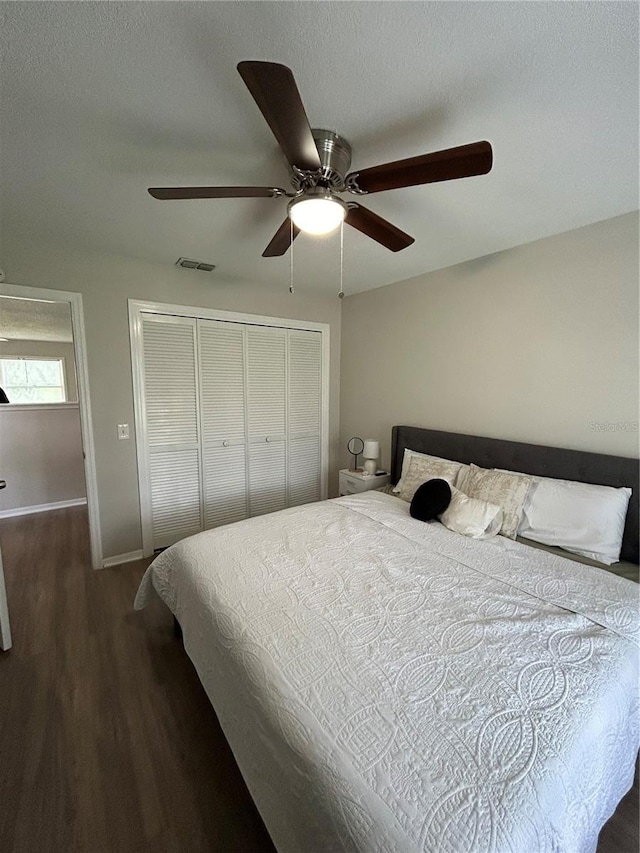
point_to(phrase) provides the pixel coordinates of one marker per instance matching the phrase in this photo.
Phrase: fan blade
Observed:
(447, 165)
(281, 240)
(276, 94)
(164, 193)
(377, 228)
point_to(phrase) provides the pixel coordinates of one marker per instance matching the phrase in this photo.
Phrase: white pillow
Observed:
(579, 517)
(422, 468)
(472, 517)
(406, 460)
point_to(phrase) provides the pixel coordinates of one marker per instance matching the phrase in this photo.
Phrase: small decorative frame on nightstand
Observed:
(354, 482)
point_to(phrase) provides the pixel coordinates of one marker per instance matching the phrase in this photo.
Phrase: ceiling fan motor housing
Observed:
(335, 158)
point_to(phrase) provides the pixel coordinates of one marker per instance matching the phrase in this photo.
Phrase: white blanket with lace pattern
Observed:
(388, 685)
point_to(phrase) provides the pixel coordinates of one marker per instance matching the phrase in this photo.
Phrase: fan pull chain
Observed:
(291, 289)
(341, 291)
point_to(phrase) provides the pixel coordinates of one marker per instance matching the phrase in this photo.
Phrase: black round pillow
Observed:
(430, 499)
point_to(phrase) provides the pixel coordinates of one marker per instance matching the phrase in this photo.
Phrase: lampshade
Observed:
(317, 212)
(371, 449)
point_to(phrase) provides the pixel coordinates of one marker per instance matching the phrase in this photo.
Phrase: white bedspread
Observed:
(388, 685)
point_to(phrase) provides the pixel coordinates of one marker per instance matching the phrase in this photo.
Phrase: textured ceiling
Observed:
(31, 320)
(102, 100)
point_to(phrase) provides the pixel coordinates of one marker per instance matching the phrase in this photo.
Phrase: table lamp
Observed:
(370, 454)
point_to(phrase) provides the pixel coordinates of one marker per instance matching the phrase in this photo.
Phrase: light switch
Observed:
(123, 431)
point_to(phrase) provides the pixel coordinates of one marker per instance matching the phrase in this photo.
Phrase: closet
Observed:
(229, 421)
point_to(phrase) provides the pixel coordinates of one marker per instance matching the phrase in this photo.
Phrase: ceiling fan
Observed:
(319, 161)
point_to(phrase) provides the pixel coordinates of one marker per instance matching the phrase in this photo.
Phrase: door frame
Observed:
(136, 310)
(23, 291)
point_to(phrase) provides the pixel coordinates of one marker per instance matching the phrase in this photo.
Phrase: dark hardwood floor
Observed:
(107, 739)
(108, 743)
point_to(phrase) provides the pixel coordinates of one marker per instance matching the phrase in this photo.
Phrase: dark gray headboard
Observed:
(529, 459)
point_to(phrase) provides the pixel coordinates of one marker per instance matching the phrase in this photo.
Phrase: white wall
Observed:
(46, 349)
(536, 344)
(40, 455)
(106, 282)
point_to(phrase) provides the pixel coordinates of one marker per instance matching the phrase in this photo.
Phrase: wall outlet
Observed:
(123, 431)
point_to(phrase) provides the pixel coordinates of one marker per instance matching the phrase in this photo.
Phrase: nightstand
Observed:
(354, 482)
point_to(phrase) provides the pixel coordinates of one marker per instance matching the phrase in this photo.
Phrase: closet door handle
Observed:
(267, 439)
(3, 484)
(225, 443)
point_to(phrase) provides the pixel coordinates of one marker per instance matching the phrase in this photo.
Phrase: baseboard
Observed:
(121, 558)
(30, 510)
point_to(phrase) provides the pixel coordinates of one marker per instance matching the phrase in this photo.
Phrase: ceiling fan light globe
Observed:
(317, 215)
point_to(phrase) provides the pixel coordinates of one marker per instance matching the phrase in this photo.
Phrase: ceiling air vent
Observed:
(190, 264)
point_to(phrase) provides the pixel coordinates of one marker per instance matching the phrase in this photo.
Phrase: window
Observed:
(33, 380)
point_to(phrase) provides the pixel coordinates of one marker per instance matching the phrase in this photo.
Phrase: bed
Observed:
(388, 685)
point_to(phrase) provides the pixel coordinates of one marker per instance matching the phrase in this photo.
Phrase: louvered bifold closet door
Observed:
(171, 412)
(266, 402)
(304, 415)
(222, 412)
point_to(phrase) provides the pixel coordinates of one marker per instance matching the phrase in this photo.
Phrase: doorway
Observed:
(47, 383)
